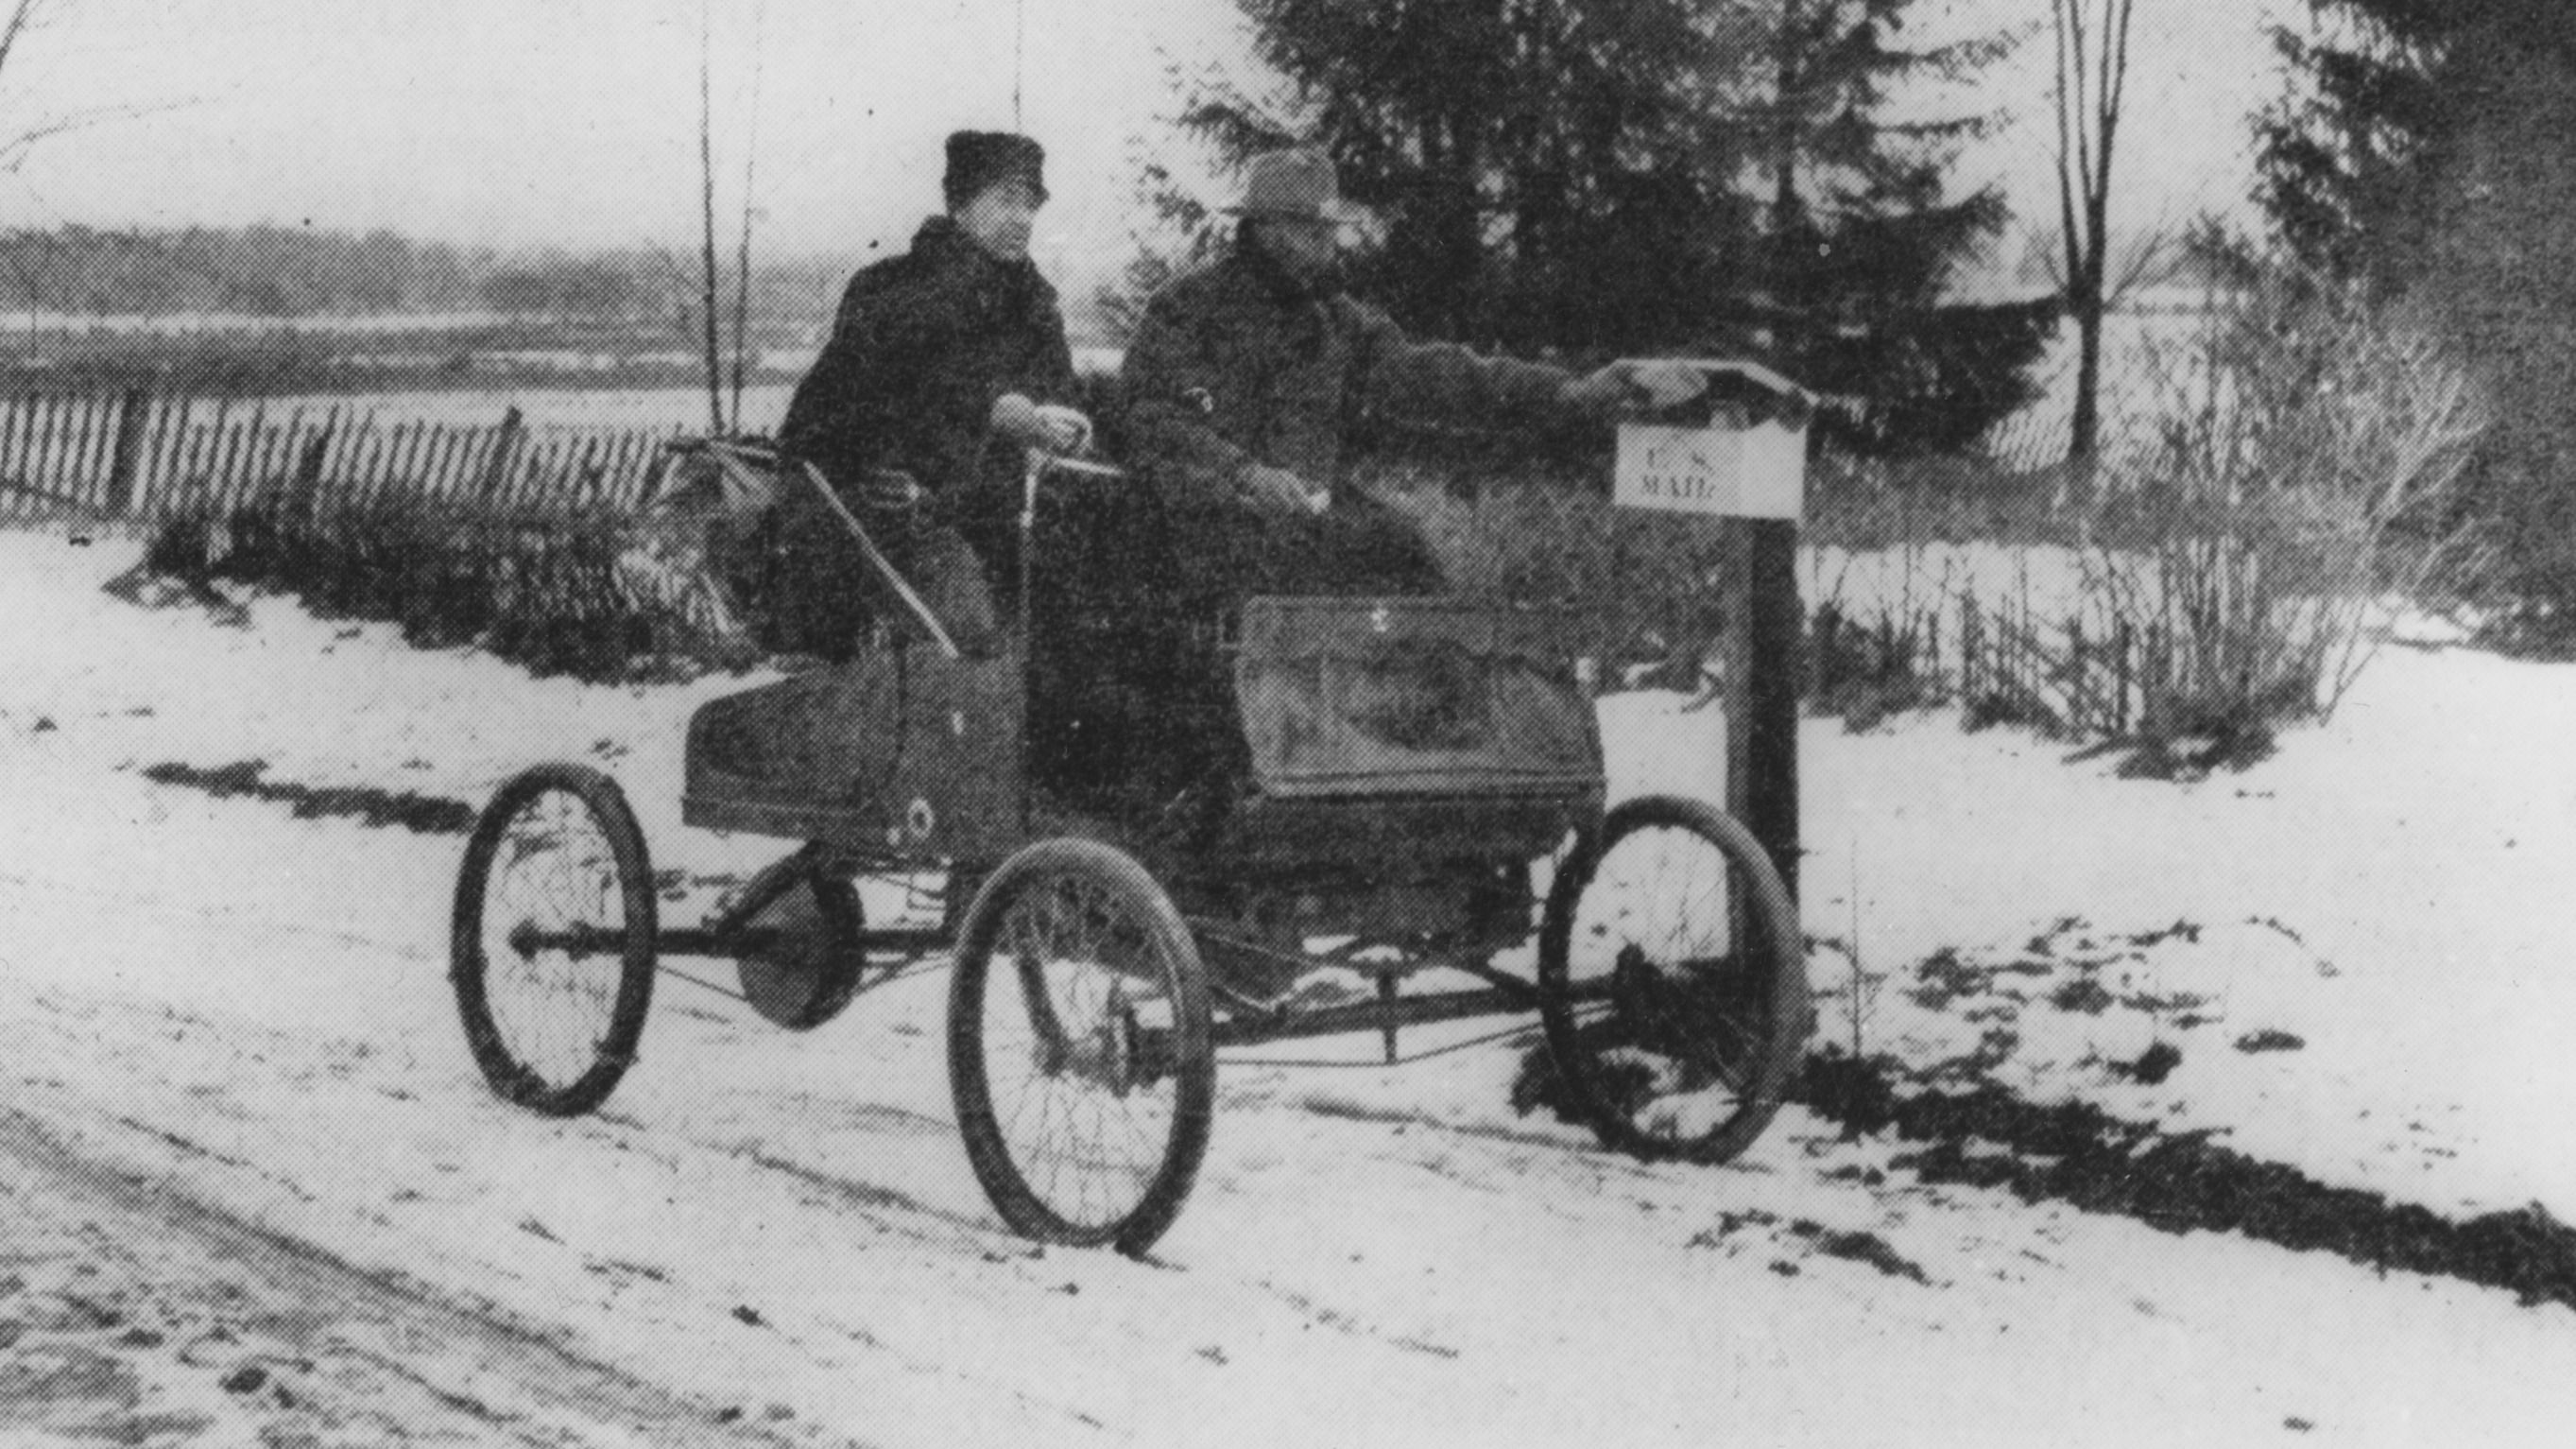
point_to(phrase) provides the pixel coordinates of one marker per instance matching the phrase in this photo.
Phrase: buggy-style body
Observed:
(902, 752)
(1406, 790)
(1377, 735)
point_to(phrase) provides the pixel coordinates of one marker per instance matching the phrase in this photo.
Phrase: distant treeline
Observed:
(290, 272)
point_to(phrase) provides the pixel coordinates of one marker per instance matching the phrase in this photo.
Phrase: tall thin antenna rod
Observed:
(742, 254)
(707, 176)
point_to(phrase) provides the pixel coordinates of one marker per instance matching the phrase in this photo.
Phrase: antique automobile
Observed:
(1418, 807)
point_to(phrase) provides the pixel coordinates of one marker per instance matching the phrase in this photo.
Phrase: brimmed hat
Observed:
(1297, 184)
(978, 160)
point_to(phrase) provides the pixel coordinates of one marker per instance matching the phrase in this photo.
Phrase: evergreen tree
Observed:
(1862, 233)
(1656, 175)
(2337, 151)
(2430, 151)
(1493, 136)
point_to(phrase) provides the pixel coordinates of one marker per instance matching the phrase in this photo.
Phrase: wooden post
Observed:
(2078, 700)
(404, 477)
(80, 432)
(305, 497)
(276, 448)
(41, 457)
(505, 447)
(2120, 681)
(1768, 689)
(135, 411)
(10, 411)
(1829, 630)
(168, 423)
(194, 460)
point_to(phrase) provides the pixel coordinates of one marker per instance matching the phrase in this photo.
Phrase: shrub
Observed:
(2308, 455)
(557, 590)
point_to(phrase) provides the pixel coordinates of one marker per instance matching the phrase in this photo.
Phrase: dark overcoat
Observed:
(1235, 365)
(923, 344)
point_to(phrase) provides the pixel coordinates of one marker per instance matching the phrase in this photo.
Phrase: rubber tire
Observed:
(1776, 932)
(1192, 1068)
(511, 1079)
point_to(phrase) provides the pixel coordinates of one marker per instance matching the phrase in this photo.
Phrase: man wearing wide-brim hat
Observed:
(1239, 391)
(943, 365)
(1245, 376)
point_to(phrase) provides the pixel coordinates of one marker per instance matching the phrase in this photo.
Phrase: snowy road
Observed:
(253, 1184)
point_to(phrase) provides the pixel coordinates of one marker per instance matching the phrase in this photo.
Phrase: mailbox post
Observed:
(1739, 453)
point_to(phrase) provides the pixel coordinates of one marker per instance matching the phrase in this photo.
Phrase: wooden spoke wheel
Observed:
(1078, 1047)
(1672, 982)
(551, 948)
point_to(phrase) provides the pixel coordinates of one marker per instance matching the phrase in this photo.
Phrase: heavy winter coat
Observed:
(923, 345)
(1235, 365)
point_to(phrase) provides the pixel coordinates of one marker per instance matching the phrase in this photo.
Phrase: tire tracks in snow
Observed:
(303, 1338)
(141, 1135)
(149, 1146)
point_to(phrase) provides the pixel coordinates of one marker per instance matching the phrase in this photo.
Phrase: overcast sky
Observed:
(574, 121)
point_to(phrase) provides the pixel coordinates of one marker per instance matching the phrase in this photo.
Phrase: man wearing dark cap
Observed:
(1245, 376)
(943, 365)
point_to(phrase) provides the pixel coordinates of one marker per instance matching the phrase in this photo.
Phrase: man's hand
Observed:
(888, 490)
(1032, 425)
(1667, 383)
(1062, 429)
(1281, 488)
(1628, 383)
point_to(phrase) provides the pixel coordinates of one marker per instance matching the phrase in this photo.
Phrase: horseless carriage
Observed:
(1421, 800)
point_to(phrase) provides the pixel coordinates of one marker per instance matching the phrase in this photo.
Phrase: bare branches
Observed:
(14, 149)
(22, 17)
(18, 18)
(2092, 58)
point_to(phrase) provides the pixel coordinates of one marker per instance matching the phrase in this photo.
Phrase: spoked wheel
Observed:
(552, 949)
(1672, 982)
(1078, 1047)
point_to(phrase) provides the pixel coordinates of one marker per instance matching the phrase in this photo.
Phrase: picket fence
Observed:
(144, 456)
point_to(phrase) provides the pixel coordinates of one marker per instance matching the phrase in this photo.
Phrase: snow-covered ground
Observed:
(240, 1130)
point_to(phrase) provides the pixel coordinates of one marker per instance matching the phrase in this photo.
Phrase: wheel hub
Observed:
(1108, 1055)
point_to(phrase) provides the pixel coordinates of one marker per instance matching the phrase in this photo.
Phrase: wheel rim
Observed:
(1669, 998)
(553, 933)
(1078, 1016)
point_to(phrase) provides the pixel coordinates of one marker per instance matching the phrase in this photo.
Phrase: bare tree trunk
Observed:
(2086, 434)
(1787, 209)
(2092, 86)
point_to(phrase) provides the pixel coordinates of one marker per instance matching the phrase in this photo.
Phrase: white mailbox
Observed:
(1739, 451)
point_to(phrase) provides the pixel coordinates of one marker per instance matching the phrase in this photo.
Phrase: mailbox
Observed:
(1738, 450)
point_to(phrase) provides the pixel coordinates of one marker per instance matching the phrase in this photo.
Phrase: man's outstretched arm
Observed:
(1405, 378)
